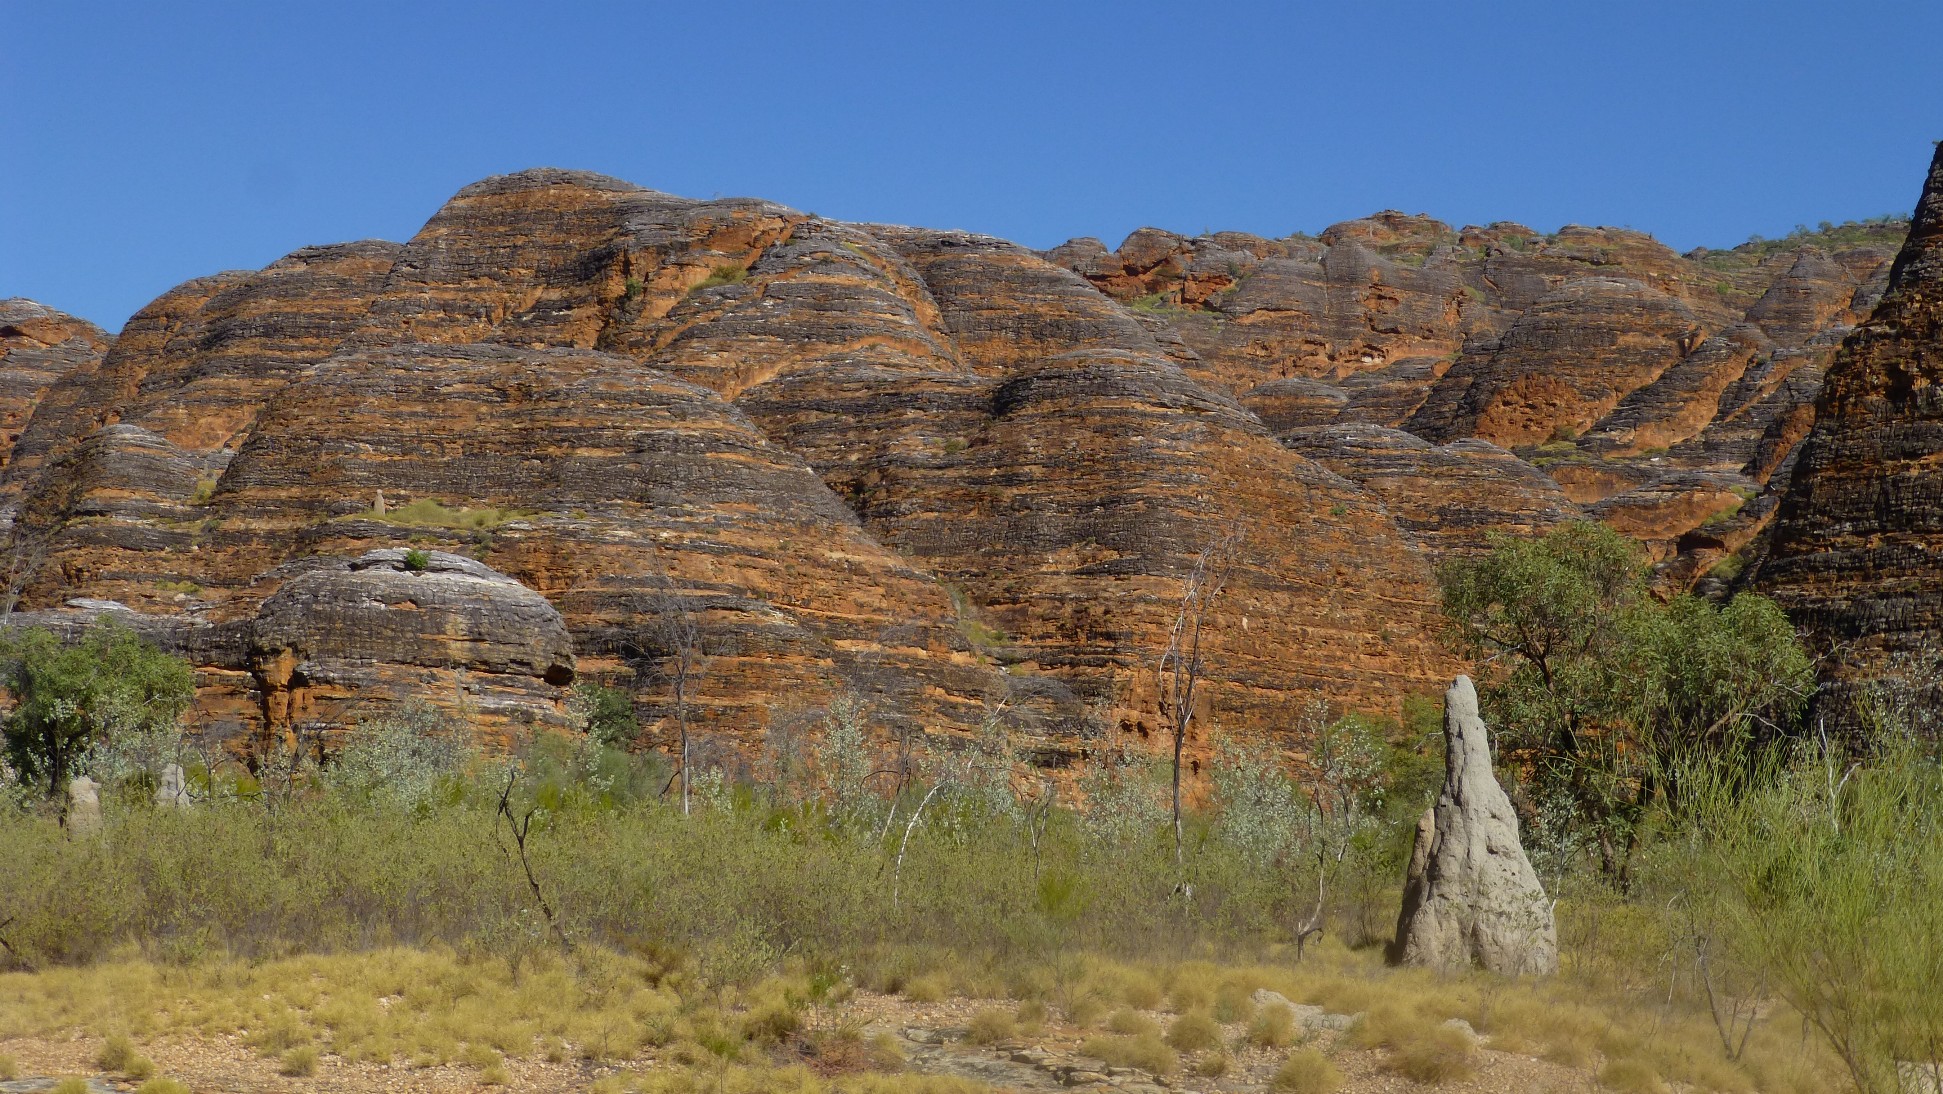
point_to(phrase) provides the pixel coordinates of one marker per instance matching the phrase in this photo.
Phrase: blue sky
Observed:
(141, 145)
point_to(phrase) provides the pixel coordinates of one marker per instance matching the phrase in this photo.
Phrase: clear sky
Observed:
(144, 144)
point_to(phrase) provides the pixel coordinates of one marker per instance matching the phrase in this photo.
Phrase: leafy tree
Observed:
(68, 697)
(608, 714)
(1709, 683)
(1596, 688)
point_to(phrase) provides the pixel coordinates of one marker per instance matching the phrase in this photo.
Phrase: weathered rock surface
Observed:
(1470, 897)
(1562, 365)
(1854, 554)
(1595, 351)
(385, 628)
(38, 346)
(926, 467)
(1451, 497)
(860, 458)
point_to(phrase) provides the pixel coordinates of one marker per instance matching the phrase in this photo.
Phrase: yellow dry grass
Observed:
(431, 1007)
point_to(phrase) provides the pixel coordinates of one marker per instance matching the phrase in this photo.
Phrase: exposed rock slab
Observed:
(1451, 497)
(38, 346)
(344, 641)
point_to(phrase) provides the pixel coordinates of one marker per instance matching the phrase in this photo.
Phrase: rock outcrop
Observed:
(1451, 497)
(1562, 366)
(1470, 897)
(1856, 555)
(343, 641)
(1595, 354)
(37, 348)
(933, 469)
(926, 467)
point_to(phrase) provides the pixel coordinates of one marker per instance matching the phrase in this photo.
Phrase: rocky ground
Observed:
(931, 1037)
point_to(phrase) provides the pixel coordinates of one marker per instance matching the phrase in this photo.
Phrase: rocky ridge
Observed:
(938, 470)
(1659, 391)
(930, 468)
(1853, 553)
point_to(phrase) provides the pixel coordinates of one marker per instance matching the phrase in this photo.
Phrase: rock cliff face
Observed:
(1661, 390)
(1853, 555)
(935, 469)
(38, 346)
(930, 468)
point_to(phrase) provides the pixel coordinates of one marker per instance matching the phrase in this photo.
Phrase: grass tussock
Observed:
(725, 274)
(1194, 1031)
(1307, 1071)
(431, 513)
(438, 1006)
(163, 1086)
(1273, 1027)
(1213, 1065)
(366, 924)
(992, 1026)
(298, 1062)
(1148, 1052)
(1631, 1077)
(119, 1055)
(1437, 1055)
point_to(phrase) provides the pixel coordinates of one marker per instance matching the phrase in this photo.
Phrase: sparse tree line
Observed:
(1660, 750)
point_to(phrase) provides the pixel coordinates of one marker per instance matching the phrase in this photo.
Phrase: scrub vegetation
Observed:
(1724, 877)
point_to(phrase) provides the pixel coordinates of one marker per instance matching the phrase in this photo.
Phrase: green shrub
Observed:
(607, 713)
(1307, 1071)
(1798, 869)
(162, 1086)
(1580, 641)
(67, 698)
(416, 560)
(205, 489)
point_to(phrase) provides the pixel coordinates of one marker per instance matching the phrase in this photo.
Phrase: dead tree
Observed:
(25, 552)
(520, 826)
(667, 646)
(1181, 665)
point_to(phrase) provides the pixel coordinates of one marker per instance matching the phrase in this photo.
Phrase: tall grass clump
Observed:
(1821, 877)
